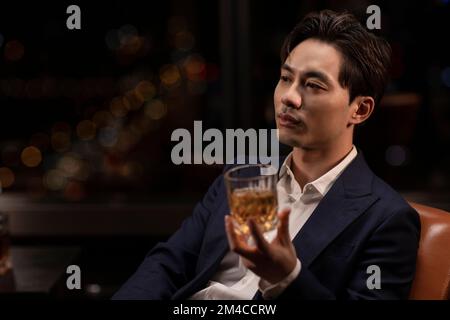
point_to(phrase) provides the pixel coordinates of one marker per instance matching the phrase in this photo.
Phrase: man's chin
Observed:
(289, 140)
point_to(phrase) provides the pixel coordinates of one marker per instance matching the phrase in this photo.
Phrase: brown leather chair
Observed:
(432, 279)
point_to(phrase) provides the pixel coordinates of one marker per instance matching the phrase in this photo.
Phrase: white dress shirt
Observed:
(232, 280)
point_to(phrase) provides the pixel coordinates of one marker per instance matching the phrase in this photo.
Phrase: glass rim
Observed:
(244, 166)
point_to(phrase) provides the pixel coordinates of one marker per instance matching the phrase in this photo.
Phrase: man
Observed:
(341, 222)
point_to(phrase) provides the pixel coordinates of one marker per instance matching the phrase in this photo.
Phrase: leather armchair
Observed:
(432, 279)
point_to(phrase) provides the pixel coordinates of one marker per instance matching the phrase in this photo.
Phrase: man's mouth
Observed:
(286, 120)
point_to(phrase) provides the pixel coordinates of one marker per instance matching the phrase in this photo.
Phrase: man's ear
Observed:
(361, 109)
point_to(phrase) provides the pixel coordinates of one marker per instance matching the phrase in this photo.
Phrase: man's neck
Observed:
(309, 164)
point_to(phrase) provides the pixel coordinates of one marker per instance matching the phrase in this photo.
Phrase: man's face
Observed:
(311, 108)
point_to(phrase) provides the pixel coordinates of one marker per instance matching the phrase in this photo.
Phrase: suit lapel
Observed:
(349, 197)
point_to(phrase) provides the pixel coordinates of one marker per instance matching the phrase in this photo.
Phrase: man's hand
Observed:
(271, 261)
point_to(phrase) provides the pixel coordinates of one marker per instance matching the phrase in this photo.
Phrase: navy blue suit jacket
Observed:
(360, 222)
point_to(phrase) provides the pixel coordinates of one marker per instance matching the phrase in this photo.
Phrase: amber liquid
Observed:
(260, 205)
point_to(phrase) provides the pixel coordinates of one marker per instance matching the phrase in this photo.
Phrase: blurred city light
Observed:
(145, 90)
(60, 141)
(69, 165)
(14, 50)
(169, 75)
(107, 136)
(6, 177)
(155, 109)
(86, 130)
(195, 68)
(55, 180)
(74, 191)
(118, 107)
(396, 155)
(31, 156)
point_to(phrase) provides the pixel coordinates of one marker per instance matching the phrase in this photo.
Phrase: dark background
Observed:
(137, 70)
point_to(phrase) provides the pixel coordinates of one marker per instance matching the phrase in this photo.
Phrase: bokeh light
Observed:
(6, 177)
(396, 155)
(195, 68)
(14, 50)
(118, 108)
(169, 75)
(131, 45)
(69, 165)
(60, 141)
(155, 109)
(31, 156)
(125, 32)
(132, 100)
(131, 170)
(55, 180)
(74, 191)
(145, 90)
(86, 130)
(107, 136)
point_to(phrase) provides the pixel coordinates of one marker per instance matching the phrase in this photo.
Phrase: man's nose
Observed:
(292, 98)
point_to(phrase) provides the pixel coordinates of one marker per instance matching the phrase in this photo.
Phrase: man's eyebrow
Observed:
(287, 68)
(309, 74)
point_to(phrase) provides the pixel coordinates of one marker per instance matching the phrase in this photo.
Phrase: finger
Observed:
(235, 243)
(261, 242)
(283, 228)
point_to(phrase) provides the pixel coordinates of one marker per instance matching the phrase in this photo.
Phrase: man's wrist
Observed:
(272, 290)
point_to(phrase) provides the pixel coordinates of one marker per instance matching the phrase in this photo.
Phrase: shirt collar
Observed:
(317, 188)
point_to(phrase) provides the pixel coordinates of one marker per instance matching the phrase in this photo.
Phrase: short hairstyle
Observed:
(366, 57)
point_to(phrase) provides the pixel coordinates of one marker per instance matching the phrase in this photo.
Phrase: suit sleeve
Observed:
(171, 264)
(392, 247)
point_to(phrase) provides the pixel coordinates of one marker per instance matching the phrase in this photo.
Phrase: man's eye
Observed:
(313, 85)
(284, 78)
